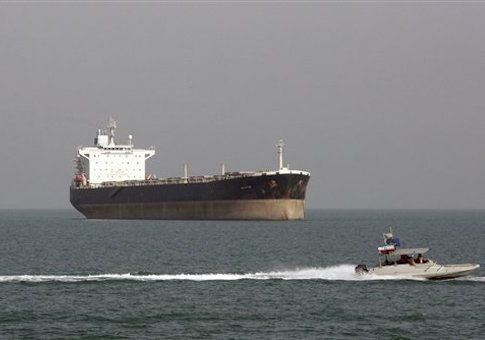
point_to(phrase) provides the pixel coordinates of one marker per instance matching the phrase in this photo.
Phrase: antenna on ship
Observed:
(111, 127)
(280, 146)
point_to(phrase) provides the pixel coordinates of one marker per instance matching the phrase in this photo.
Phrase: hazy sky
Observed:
(384, 103)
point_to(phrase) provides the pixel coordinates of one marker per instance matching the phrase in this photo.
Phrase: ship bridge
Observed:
(107, 161)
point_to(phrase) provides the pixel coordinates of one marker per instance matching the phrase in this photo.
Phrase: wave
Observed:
(473, 278)
(344, 272)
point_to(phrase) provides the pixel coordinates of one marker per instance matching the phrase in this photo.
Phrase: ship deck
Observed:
(191, 179)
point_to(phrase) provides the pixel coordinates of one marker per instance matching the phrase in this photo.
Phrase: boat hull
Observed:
(287, 209)
(272, 197)
(431, 271)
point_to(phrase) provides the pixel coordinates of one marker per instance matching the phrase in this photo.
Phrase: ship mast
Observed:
(111, 127)
(280, 146)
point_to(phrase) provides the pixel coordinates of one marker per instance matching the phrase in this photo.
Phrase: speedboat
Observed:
(410, 263)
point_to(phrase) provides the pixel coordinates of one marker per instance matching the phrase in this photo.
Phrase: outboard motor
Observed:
(361, 269)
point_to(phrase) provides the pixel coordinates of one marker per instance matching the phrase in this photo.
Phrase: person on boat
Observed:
(403, 259)
(421, 259)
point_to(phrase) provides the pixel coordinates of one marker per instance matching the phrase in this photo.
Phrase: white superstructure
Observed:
(110, 162)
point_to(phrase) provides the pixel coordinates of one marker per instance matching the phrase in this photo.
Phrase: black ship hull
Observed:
(253, 197)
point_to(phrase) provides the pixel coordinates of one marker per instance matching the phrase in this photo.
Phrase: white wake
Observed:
(343, 272)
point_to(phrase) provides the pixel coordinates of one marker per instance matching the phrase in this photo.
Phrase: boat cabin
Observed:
(394, 256)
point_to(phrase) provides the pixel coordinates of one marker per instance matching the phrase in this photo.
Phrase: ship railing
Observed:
(170, 180)
(174, 180)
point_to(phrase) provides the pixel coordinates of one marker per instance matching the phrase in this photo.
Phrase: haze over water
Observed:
(62, 276)
(382, 101)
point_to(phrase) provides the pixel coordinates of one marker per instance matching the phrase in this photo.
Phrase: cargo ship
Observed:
(110, 182)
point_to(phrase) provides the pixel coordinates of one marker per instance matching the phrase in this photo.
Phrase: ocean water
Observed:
(62, 276)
